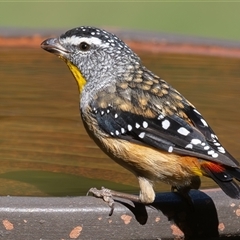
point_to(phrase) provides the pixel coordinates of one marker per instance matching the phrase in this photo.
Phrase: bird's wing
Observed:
(201, 124)
(168, 123)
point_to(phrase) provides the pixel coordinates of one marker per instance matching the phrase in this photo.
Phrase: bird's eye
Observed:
(83, 46)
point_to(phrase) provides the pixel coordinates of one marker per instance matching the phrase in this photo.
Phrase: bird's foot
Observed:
(184, 190)
(105, 194)
(184, 193)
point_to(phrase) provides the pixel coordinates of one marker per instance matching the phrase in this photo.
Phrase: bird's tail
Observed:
(223, 176)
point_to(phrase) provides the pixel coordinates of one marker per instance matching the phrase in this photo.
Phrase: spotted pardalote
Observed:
(138, 119)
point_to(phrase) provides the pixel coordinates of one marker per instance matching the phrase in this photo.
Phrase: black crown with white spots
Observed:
(105, 36)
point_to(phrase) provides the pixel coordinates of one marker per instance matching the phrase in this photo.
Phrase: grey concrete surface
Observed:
(212, 215)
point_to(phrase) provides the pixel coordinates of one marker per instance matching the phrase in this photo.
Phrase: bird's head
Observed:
(93, 55)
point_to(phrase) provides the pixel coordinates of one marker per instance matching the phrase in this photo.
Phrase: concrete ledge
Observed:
(212, 216)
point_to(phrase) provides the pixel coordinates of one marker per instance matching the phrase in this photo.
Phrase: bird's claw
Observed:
(105, 194)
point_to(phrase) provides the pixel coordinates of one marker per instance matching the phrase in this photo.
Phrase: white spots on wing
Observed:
(170, 149)
(165, 124)
(108, 110)
(189, 146)
(118, 132)
(214, 136)
(196, 141)
(145, 124)
(210, 152)
(183, 131)
(116, 115)
(123, 130)
(225, 176)
(160, 117)
(137, 125)
(196, 111)
(217, 144)
(95, 110)
(221, 150)
(129, 127)
(206, 147)
(102, 113)
(142, 135)
(215, 155)
(204, 122)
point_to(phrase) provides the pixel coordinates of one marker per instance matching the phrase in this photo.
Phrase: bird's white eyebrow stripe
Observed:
(75, 40)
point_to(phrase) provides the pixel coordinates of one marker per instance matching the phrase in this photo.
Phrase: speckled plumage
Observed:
(138, 119)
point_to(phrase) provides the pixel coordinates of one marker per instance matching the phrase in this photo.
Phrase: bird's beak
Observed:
(53, 45)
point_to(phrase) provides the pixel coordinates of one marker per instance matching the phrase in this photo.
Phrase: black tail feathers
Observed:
(225, 180)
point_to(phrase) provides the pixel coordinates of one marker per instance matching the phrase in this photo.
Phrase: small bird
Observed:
(139, 120)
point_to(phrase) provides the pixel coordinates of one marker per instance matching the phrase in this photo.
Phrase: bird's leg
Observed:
(184, 190)
(146, 195)
(108, 194)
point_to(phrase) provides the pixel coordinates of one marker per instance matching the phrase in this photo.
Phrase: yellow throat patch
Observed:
(81, 81)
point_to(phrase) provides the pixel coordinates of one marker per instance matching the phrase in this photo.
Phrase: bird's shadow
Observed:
(197, 221)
